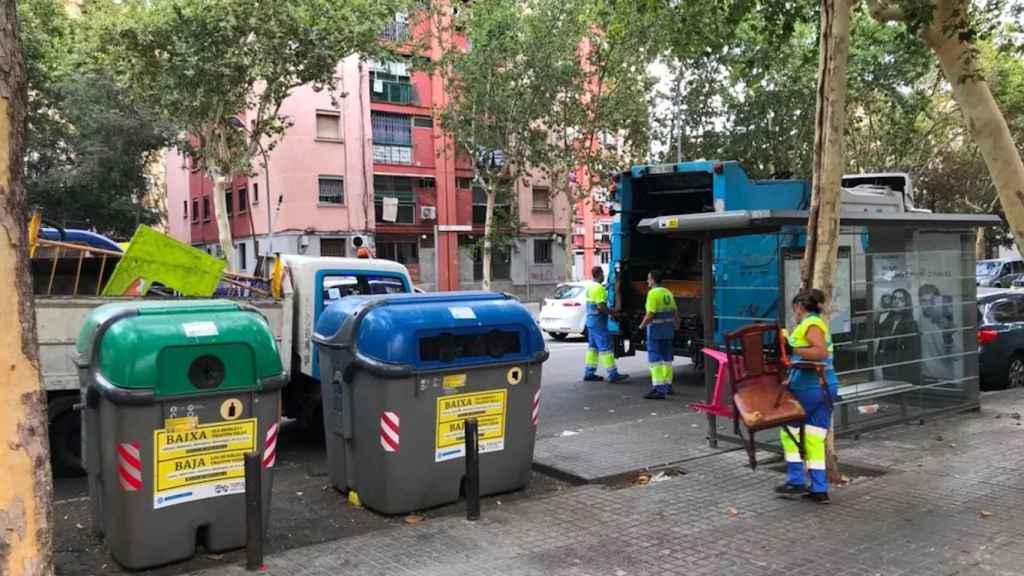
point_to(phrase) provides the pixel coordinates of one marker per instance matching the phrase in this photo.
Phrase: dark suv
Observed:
(1001, 340)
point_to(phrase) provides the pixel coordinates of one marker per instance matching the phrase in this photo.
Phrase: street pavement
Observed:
(942, 498)
(945, 498)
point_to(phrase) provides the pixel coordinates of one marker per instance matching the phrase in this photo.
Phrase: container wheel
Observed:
(65, 437)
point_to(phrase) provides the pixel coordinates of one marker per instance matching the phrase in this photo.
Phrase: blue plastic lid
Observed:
(433, 331)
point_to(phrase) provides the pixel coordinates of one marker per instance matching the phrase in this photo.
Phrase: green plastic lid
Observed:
(179, 347)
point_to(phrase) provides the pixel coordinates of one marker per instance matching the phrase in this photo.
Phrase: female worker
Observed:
(811, 342)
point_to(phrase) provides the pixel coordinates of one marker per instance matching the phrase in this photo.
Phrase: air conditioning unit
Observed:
(428, 213)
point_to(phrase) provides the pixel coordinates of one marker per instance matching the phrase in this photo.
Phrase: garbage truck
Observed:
(747, 269)
(309, 284)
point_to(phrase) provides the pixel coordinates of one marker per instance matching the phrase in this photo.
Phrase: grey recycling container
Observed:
(400, 374)
(176, 393)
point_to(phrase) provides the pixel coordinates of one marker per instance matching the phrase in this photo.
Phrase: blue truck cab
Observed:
(746, 268)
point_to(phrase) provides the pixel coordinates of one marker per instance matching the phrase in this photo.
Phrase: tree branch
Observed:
(884, 11)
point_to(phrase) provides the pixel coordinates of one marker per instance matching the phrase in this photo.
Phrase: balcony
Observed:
(395, 31)
(391, 91)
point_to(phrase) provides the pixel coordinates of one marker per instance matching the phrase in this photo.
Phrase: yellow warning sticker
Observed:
(454, 381)
(201, 462)
(452, 411)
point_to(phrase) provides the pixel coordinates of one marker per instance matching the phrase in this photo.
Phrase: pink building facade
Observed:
(369, 167)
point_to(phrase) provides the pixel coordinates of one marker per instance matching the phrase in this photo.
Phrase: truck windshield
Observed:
(987, 267)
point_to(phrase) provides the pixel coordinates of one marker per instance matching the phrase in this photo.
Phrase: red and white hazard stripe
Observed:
(270, 446)
(389, 431)
(536, 407)
(129, 466)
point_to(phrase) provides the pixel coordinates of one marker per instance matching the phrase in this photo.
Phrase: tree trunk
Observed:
(488, 236)
(979, 244)
(830, 121)
(220, 213)
(26, 497)
(984, 120)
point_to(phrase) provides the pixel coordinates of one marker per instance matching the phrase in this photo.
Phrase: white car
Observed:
(566, 311)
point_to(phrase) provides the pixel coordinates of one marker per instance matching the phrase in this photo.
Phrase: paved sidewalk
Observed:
(952, 502)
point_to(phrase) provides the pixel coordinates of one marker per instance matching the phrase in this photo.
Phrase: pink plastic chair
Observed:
(716, 407)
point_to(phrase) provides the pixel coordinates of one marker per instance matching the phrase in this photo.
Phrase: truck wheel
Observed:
(558, 335)
(65, 437)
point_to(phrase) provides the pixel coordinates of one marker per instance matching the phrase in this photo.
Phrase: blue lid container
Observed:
(403, 333)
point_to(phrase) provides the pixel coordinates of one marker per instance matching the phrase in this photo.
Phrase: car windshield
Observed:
(567, 291)
(987, 267)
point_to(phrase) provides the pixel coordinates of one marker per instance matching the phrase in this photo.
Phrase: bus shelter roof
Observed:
(743, 222)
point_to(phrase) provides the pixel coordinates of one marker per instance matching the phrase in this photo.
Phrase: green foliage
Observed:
(201, 62)
(87, 150)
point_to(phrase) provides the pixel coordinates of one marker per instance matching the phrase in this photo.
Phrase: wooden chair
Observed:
(757, 375)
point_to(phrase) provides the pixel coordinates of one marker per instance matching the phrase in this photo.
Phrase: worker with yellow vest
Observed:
(599, 340)
(661, 321)
(811, 342)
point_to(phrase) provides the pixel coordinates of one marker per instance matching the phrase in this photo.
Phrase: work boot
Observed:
(655, 394)
(817, 497)
(617, 377)
(592, 378)
(788, 489)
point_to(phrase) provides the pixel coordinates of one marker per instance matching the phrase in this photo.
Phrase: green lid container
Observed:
(179, 347)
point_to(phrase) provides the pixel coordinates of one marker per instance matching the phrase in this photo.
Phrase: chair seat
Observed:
(763, 403)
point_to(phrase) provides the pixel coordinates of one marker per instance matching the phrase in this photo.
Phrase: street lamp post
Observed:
(237, 123)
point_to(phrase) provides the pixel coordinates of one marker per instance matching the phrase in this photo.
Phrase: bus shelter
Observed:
(904, 312)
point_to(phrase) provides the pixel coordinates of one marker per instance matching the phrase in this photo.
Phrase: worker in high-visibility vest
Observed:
(661, 322)
(811, 342)
(599, 340)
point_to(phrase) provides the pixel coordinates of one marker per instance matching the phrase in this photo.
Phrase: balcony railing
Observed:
(395, 31)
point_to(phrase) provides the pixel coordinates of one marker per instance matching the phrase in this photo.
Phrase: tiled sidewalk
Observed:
(951, 503)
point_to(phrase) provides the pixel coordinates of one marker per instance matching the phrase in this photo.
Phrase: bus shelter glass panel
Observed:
(904, 316)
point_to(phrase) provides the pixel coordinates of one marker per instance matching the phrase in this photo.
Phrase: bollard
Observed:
(472, 470)
(253, 512)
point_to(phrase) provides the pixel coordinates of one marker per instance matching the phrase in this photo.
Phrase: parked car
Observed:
(999, 272)
(565, 312)
(1001, 340)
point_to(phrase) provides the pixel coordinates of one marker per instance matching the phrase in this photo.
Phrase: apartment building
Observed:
(369, 166)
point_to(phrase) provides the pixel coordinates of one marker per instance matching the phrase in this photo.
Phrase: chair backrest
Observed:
(753, 348)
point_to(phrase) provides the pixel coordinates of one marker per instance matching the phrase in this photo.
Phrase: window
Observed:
(242, 259)
(427, 183)
(333, 247)
(1004, 311)
(328, 125)
(541, 251)
(229, 201)
(389, 191)
(332, 190)
(255, 193)
(243, 200)
(541, 198)
(195, 209)
(390, 82)
(464, 183)
(392, 138)
(184, 213)
(423, 122)
(335, 287)
(401, 252)
(605, 256)
(206, 208)
(502, 208)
